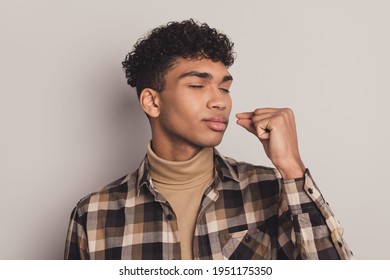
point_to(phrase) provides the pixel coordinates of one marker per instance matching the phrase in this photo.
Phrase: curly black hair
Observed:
(151, 58)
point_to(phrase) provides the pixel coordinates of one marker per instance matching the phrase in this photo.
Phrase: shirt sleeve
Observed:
(76, 245)
(308, 228)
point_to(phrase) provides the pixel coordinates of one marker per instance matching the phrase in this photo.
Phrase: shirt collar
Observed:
(224, 167)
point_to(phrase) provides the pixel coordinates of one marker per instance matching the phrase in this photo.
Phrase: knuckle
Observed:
(280, 118)
(257, 111)
(287, 113)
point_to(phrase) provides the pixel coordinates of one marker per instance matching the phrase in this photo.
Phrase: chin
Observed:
(211, 143)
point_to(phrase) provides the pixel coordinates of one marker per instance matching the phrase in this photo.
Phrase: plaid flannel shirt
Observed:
(248, 212)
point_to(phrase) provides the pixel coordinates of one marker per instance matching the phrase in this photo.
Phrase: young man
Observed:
(186, 201)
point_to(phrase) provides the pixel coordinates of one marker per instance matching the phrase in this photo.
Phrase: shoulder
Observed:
(110, 196)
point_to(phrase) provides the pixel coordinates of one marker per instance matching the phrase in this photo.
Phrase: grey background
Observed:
(70, 124)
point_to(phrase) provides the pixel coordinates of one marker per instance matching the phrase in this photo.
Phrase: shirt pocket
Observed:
(251, 244)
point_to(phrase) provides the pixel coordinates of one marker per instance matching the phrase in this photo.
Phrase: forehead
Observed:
(182, 66)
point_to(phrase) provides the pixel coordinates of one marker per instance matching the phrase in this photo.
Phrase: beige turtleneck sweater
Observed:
(183, 183)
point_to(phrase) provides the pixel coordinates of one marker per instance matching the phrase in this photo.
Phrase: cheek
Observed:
(228, 104)
(178, 117)
(189, 108)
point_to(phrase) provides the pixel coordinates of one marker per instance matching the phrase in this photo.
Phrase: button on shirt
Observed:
(248, 212)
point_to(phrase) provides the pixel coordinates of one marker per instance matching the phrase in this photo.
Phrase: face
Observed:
(195, 104)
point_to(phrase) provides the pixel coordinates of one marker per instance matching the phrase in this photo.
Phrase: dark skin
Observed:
(193, 110)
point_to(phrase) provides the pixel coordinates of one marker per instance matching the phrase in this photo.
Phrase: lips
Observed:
(217, 123)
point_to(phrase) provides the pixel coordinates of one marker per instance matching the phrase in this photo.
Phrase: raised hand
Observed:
(277, 132)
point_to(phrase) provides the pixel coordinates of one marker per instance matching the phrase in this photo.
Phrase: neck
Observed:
(174, 151)
(181, 173)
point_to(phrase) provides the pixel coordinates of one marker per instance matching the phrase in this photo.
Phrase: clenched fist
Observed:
(277, 132)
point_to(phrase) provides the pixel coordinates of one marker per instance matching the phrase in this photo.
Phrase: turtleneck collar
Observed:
(181, 174)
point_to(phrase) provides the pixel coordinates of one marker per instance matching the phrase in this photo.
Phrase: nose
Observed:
(218, 100)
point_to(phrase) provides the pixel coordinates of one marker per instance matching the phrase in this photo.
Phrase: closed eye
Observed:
(225, 90)
(196, 86)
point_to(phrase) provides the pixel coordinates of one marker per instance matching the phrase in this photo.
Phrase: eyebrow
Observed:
(204, 75)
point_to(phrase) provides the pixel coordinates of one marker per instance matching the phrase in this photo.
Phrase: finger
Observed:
(258, 111)
(248, 125)
(258, 129)
(263, 128)
(262, 116)
(262, 134)
(265, 110)
(245, 115)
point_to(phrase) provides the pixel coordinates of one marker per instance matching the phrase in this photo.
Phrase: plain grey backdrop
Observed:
(70, 123)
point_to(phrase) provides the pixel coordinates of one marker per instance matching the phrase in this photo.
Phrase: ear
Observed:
(150, 102)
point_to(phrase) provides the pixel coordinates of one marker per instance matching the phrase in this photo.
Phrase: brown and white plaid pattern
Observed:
(248, 212)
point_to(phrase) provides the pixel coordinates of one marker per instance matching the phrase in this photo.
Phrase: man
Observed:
(186, 201)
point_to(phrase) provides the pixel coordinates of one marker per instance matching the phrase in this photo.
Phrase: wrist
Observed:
(292, 171)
